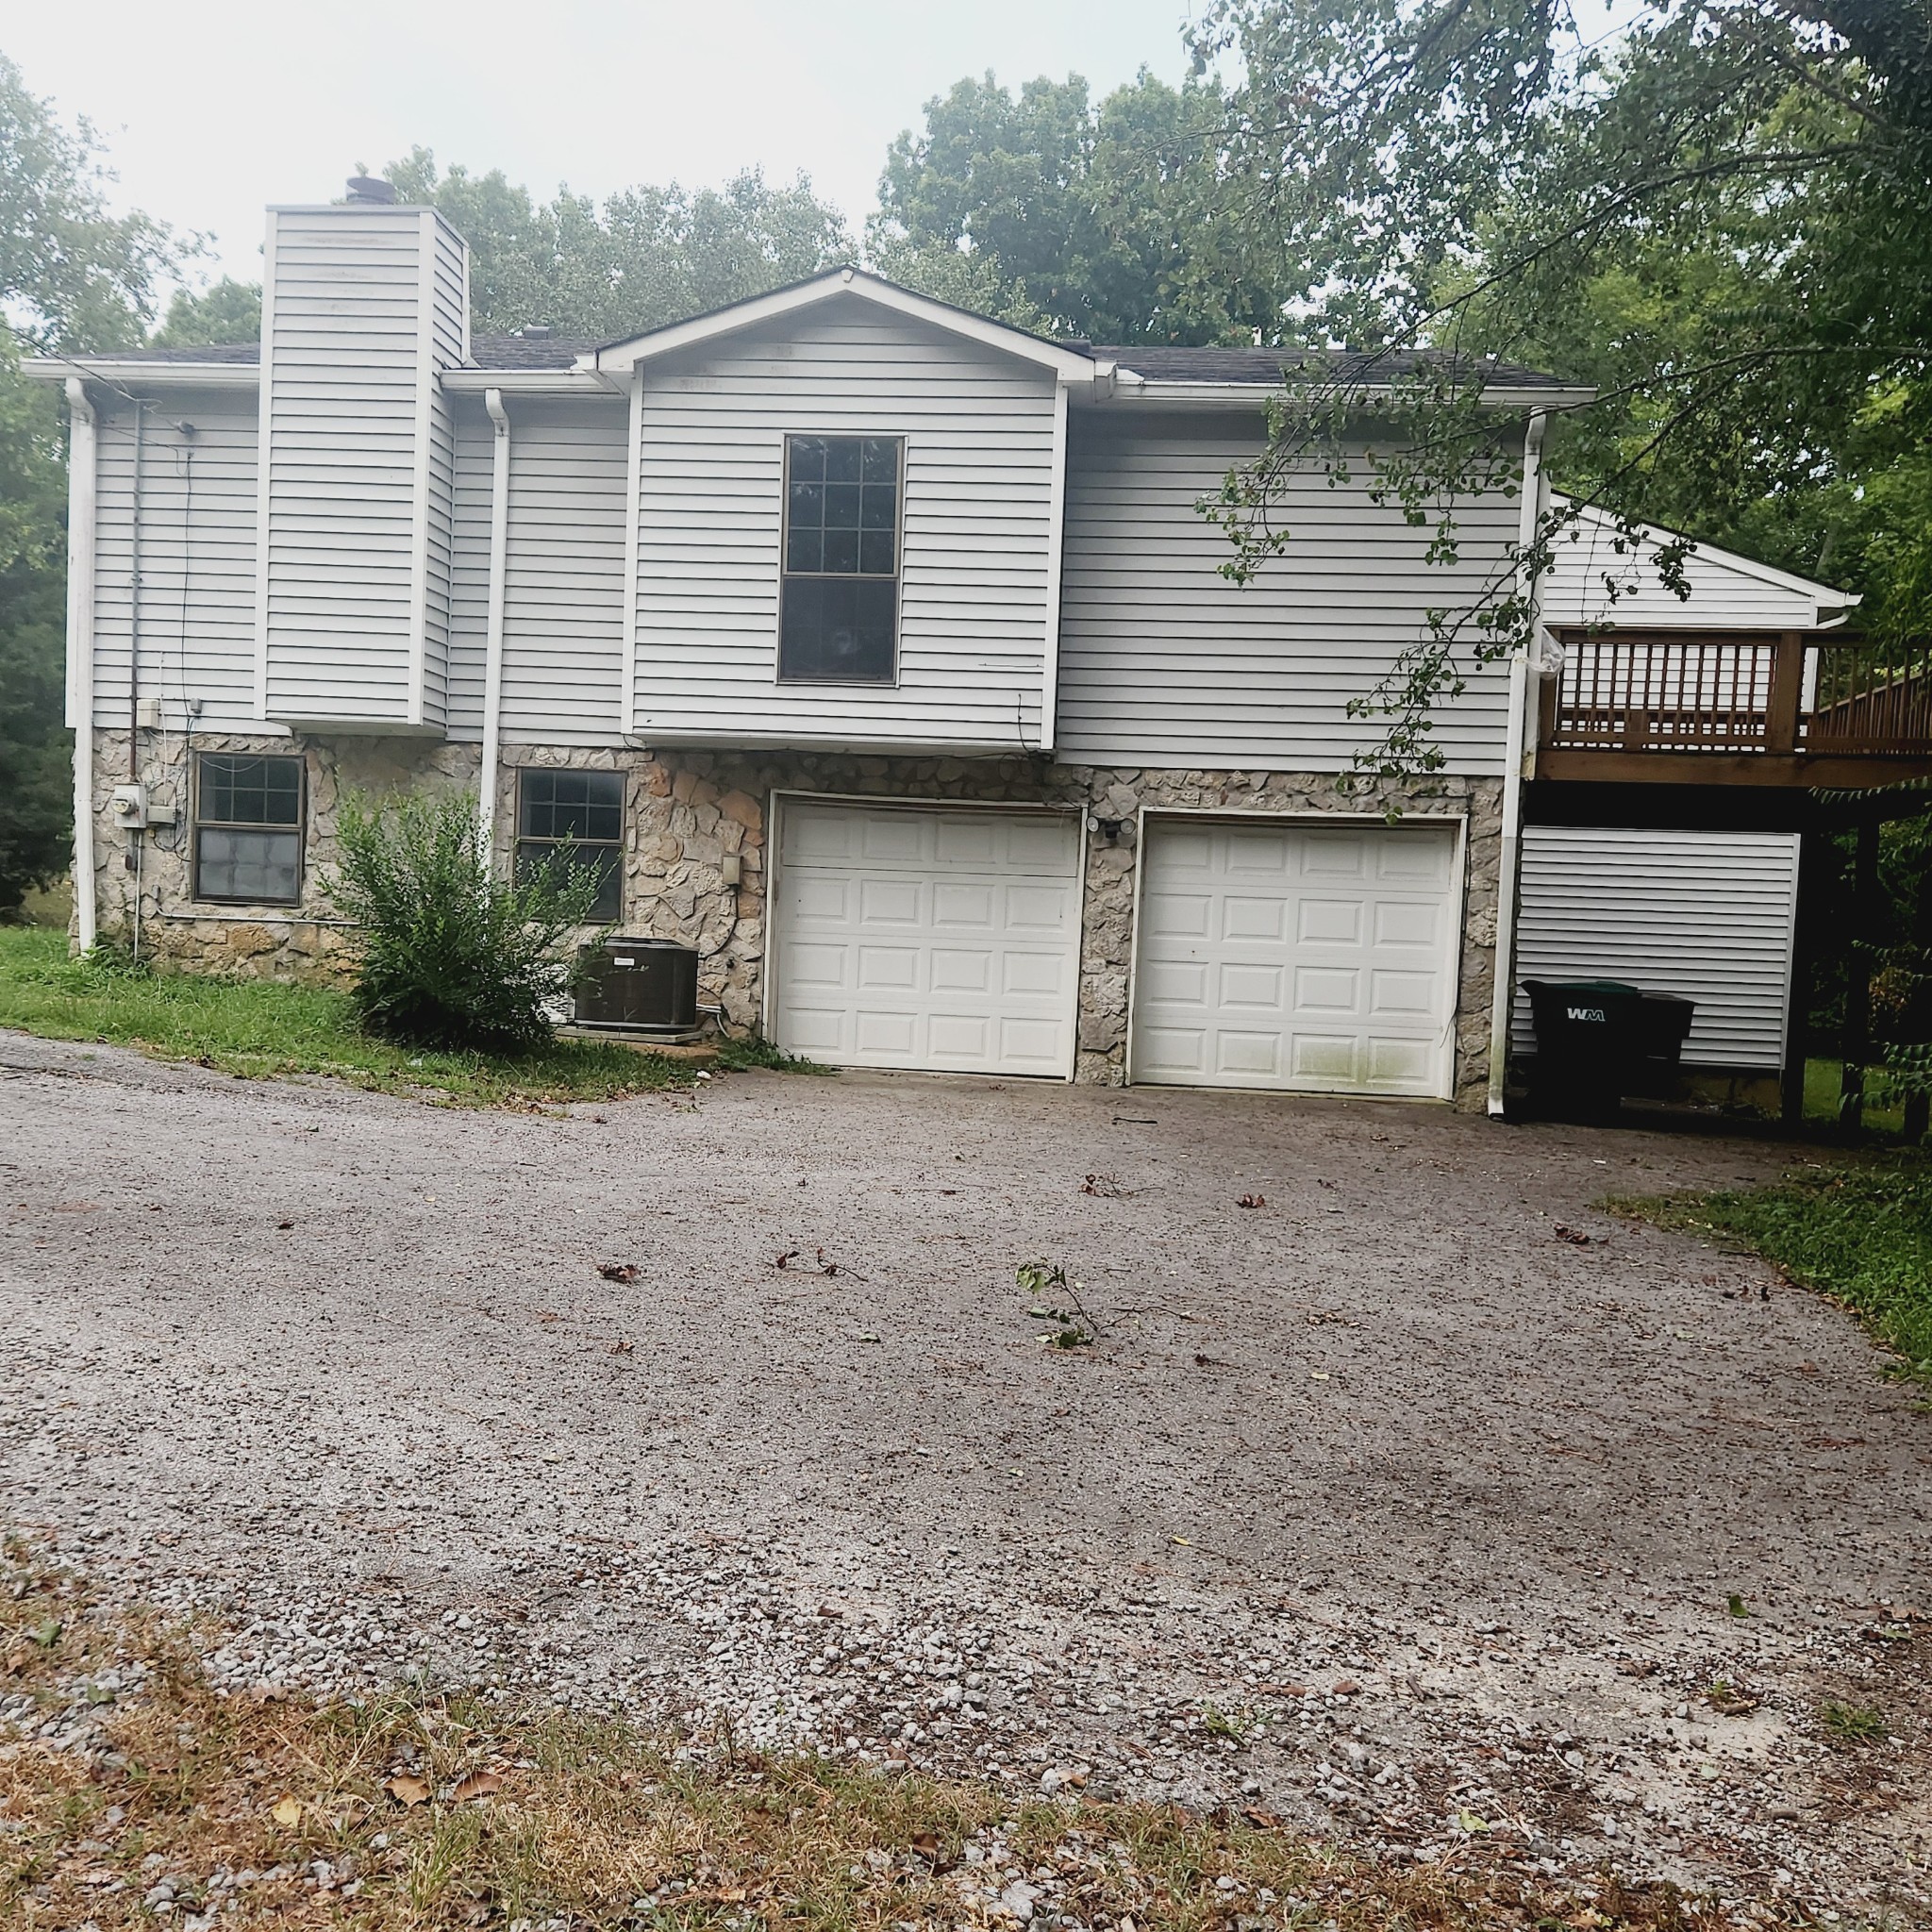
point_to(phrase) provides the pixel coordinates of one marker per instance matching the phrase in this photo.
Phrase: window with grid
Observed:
(838, 620)
(585, 808)
(248, 828)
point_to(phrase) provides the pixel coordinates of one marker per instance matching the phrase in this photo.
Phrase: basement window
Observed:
(586, 809)
(247, 828)
(838, 610)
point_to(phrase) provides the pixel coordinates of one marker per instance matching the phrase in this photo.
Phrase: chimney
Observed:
(364, 306)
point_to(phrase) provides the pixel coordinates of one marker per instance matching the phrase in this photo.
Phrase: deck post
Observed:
(1856, 1044)
(1786, 693)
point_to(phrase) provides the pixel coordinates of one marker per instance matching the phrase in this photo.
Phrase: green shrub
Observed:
(450, 956)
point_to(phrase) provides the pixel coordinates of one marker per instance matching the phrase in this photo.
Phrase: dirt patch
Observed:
(1378, 1505)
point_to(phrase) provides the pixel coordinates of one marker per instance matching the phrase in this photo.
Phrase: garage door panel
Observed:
(1406, 923)
(819, 966)
(893, 840)
(1318, 957)
(954, 971)
(889, 902)
(1325, 989)
(1328, 921)
(962, 908)
(1183, 915)
(1325, 1056)
(1333, 855)
(927, 938)
(1033, 976)
(1030, 1043)
(888, 968)
(1406, 993)
(1247, 1055)
(1418, 858)
(1251, 987)
(1244, 918)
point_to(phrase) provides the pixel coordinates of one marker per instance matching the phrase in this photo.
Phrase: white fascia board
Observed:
(1068, 365)
(1135, 391)
(526, 382)
(131, 375)
(1824, 595)
(883, 746)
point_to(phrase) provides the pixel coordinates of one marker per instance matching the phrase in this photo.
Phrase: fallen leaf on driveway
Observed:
(1261, 1821)
(287, 1811)
(548, 1315)
(1252, 1201)
(621, 1347)
(1571, 1234)
(406, 1790)
(479, 1784)
(618, 1271)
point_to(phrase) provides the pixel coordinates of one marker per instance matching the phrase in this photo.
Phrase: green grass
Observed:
(1860, 1233)
(1821, 1097)
(262, 1029)
(735, 1056)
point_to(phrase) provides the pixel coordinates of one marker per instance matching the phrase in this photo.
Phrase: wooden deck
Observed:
(1735, 708)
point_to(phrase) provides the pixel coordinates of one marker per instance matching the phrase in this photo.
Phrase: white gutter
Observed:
(1524, 666)
(493, 650)
(82, 474)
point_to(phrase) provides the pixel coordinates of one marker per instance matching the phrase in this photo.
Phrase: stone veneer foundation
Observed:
(688, 811)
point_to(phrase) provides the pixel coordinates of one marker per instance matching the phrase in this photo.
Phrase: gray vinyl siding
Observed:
(978, 428)
(564, 598)
(346, 424)
(197, 551)
(1705, 915)
(468, 616)
(1586, 566)
(1166, 664)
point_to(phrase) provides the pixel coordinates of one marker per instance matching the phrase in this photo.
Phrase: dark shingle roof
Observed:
(525, 352)
(1265, 366)
(221, 352)
(486, 351)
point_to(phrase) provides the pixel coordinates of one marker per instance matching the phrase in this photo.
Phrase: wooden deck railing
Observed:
(1737, 691)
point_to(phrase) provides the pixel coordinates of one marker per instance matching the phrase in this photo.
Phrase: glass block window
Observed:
(839, 619)
(586, 809)
(248, 828)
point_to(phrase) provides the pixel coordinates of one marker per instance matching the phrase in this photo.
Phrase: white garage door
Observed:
(913, 937)
(1315, 957)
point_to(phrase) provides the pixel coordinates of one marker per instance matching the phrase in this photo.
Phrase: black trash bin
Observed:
(1588, 1035)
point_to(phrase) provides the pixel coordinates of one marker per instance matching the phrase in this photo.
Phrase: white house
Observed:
(877, 649)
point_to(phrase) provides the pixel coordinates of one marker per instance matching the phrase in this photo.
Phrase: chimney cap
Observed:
(536, 331)
(372, 187)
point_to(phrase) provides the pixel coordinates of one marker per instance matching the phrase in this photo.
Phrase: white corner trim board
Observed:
(83, 471)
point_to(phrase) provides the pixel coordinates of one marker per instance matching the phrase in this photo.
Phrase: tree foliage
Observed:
(1102, 221)
(646, 257)
(1721, 215)
(73, 276)
(227, 311)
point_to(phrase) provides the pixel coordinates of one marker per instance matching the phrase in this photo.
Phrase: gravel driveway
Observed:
(1386, 1505)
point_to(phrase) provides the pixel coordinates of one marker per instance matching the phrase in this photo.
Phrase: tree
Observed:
(73, 277)
(649, 256)
(1722, 217)
(229, 311)
(1101, 222)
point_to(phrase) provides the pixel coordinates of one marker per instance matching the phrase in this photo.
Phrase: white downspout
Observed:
(82, 481)
(1523, 668)
(492, 649)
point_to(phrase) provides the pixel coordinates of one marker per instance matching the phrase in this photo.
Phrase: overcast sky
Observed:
(212, 111)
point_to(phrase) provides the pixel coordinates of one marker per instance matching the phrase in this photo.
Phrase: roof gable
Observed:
(1068, 365)
(1826, 597)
